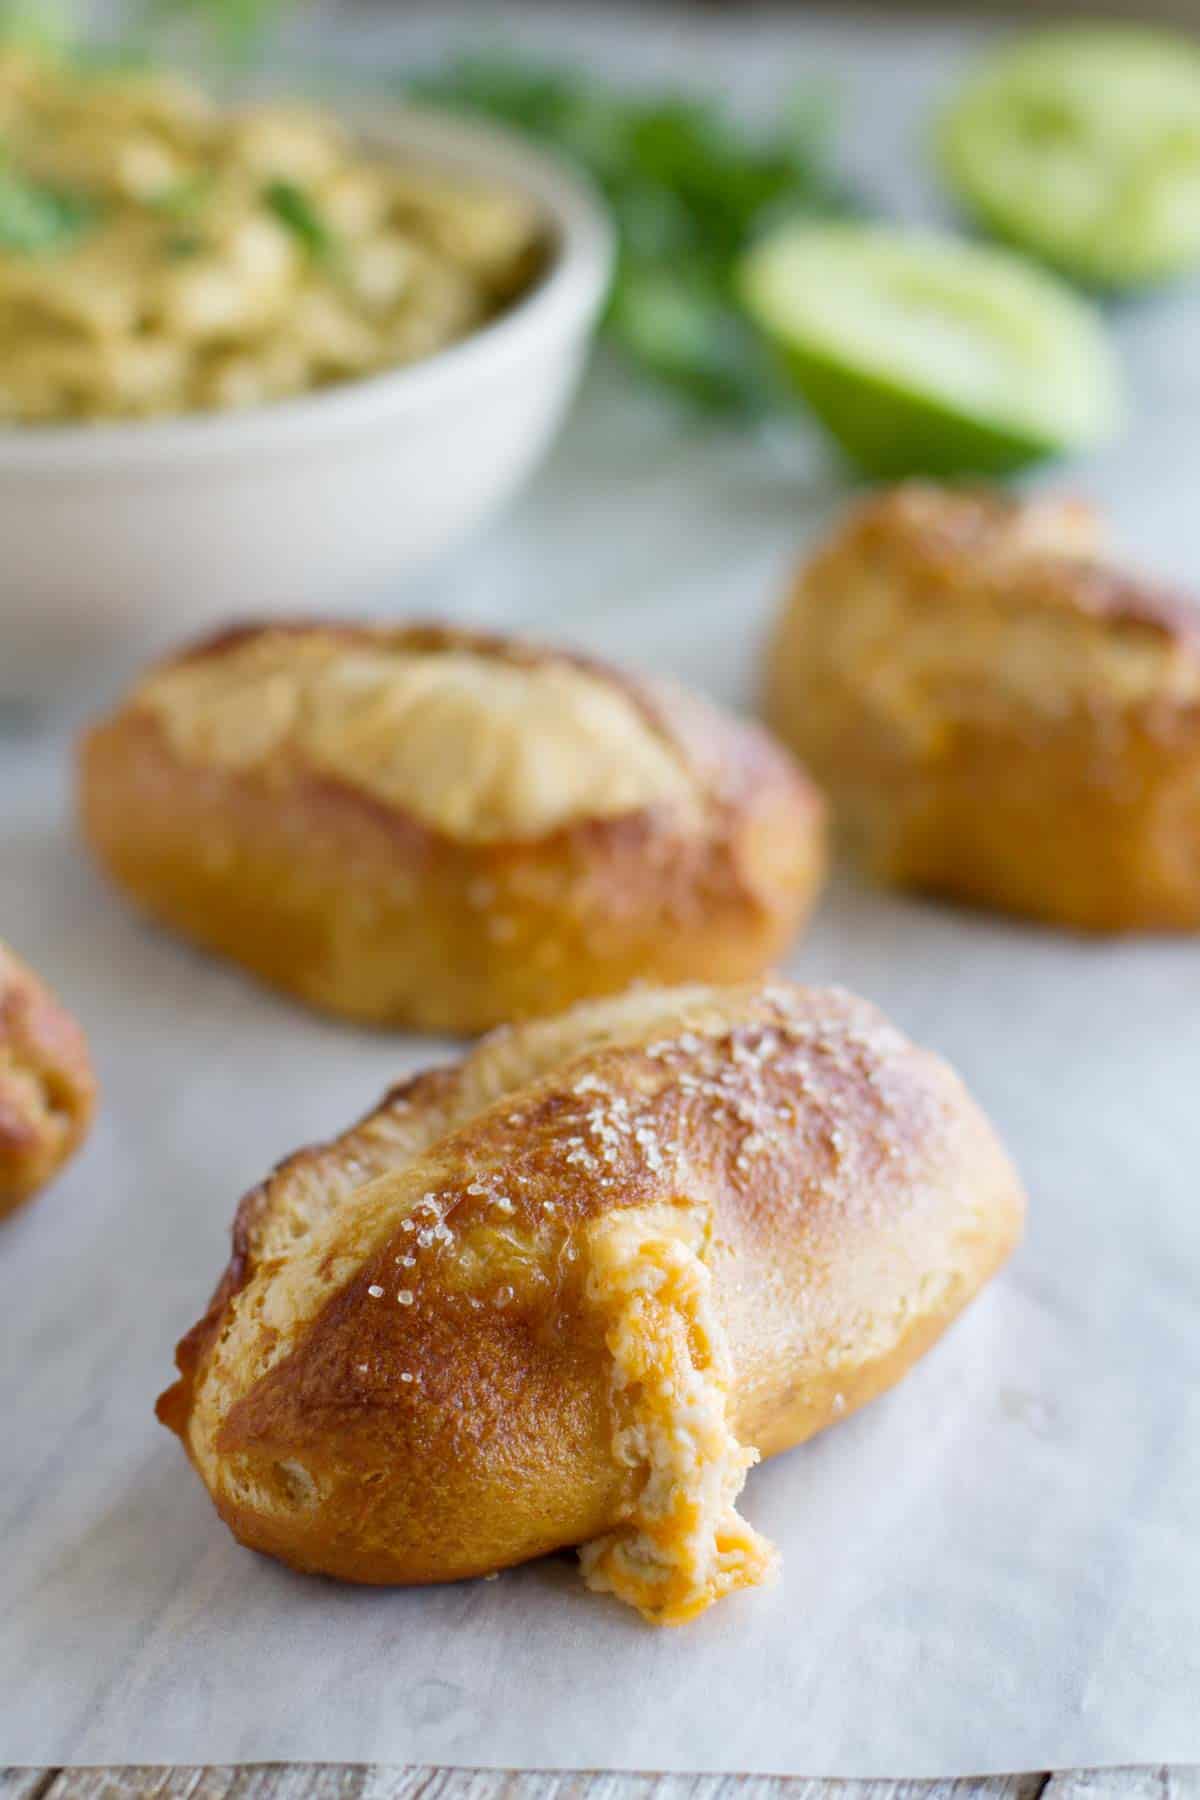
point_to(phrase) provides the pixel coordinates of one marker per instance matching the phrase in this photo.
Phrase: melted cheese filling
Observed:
(682, 1544)
(469, 743)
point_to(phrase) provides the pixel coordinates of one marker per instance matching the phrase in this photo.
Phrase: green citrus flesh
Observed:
(1082, 144)
(926, 355)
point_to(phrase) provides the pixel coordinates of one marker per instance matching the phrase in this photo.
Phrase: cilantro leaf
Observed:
(293, 208)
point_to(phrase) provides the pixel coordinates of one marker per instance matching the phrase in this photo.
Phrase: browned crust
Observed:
(359, 907)
(857, 1198)
(47, 1088)
(421, 1091)
(1084, 812)
(961, 541)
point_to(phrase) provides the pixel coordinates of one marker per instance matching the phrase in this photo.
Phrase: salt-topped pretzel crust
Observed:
(402, 1376)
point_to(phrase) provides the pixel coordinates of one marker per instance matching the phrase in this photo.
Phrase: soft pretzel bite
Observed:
(569, 1289)
(47, 1089)
(437, 828)
(999, 713)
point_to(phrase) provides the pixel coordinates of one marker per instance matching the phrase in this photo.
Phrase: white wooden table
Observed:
(329, 1781)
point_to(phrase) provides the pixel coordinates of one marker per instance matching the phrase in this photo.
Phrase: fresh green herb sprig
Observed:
(688, 188)
(293, 208)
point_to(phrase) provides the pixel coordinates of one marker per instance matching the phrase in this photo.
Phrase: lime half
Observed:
(926, 355)
(1083, 145)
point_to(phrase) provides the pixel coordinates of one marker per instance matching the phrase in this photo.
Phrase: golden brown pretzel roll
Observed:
(440, 828)
(564, 1291)
(1000, 715)
(47, 1089)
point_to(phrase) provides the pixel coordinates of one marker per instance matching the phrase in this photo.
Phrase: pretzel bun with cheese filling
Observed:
(567, 1290)
(438, 828)
(1000, 714)
(47, 1089)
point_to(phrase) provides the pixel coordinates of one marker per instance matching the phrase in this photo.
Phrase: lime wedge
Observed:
(926, 355)
(1083, 145)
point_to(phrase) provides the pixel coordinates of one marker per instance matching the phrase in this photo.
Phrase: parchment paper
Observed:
(997, 1566)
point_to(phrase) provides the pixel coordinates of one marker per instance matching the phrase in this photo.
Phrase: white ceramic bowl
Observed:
(136, 533)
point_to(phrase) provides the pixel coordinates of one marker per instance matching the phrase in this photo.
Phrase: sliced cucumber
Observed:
(1083, 145)
(926, 355)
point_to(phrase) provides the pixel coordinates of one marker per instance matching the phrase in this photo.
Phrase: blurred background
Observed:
(1015, 197)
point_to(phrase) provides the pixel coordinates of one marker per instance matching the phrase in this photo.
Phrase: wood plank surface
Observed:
(321, 1781)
